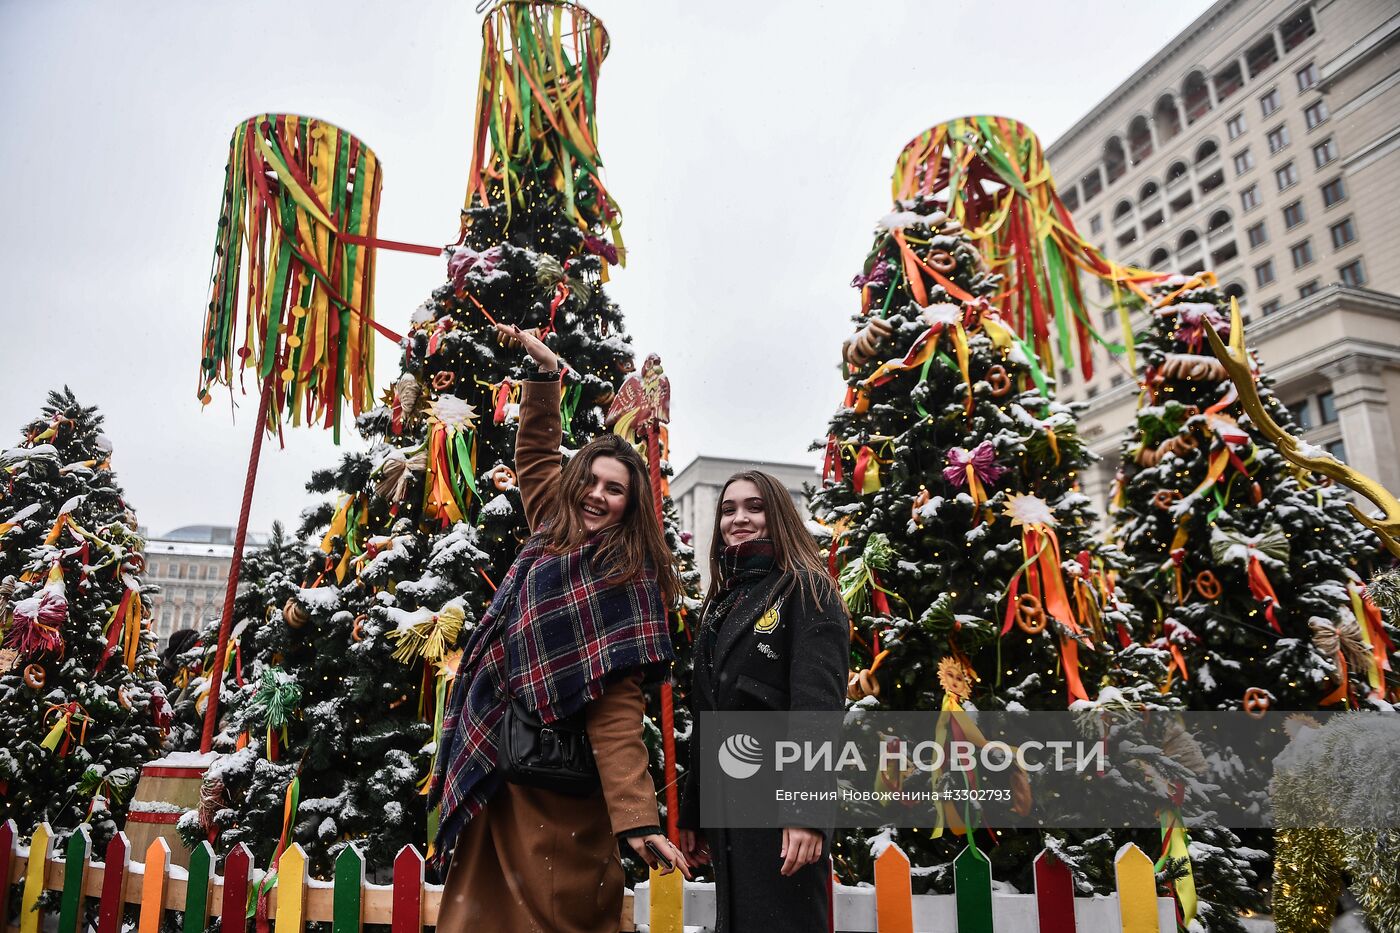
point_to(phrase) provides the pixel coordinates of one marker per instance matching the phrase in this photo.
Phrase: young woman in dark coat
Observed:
(774, 636)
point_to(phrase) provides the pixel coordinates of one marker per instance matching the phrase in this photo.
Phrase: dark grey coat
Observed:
(801, 664)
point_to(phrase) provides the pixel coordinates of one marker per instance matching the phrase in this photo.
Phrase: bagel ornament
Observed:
(295, 614)
(864, 346)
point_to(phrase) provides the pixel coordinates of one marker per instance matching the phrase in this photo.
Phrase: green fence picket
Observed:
(349, 886)
(70, 909)
(972, 885)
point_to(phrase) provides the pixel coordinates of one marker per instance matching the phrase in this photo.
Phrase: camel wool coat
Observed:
(534, 861)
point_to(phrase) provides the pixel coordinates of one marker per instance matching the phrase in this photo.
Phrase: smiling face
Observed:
(742, 516)
(605, 495)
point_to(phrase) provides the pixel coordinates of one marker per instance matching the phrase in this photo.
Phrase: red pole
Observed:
(216, 675)
(668, 716)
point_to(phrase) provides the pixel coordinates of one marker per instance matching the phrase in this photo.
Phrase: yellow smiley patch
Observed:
(768, 621)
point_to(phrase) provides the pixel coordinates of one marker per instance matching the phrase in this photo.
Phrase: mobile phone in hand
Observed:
(655, 850)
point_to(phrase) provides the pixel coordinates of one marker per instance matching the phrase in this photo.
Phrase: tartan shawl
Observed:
(553, 634)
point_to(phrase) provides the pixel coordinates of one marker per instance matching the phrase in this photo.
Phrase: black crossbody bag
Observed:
(555, 756)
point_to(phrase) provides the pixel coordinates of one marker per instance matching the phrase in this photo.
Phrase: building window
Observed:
(1159, 258)
(1338, 449)
(1249, 198)
(1066, 378)
(1244, 161)
(1300, 414)
(1114, 162)
(1302, 253)
(1343, 232)
(1293, 215)
(1117, 380)
(1197, 97)
(1307, 76)
(1092, 184)
(1327, 406)
(1315, 114)
(1297, 30)
(1309, 288)
(1353, 274)
(1212, 181)
(1262, 57)
(1334, 192)
(1071, 199)
(1096, 224)
(1110, 318)
(1235, 126)
(1264, 273)
(1153, 221)
(1092, 392)
(1105, 289)
(1271, 102)
(1228, 81)
(1324, 152)
(1271, 306)
(1286, 176)
(1278, 138)
(1258, 235)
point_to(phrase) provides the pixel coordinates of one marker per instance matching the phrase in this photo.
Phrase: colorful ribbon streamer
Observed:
(293, 186)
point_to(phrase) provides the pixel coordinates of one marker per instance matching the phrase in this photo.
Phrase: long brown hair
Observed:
(632, 544)
(794, 550)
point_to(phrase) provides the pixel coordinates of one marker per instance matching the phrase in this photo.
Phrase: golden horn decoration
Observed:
(1236, 363)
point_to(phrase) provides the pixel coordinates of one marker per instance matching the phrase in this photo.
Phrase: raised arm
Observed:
(537, 458)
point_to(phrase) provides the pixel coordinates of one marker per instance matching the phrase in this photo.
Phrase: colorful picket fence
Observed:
(409, 903)
(890, 907)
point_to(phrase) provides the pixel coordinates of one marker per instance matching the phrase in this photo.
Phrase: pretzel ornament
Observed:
(1257, 702)
(1030, 614)
(444, 379)
(503, 477)
(1165, 498)
(35, 676)
(356, 630)
(999, 380)
(1208, 585)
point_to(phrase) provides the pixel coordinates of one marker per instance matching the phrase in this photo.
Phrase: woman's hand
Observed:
(543, 356)
(639, 846)
(801, 847)
(695, 847)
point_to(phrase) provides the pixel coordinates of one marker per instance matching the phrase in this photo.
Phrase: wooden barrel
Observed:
(168, 787)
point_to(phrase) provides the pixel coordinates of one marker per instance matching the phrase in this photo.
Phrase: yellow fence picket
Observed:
(291, 890)
(40, 848)
(1137, 890)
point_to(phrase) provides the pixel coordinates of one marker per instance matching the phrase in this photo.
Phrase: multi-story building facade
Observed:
(1262, 143)
(695, 491)
(190, 565)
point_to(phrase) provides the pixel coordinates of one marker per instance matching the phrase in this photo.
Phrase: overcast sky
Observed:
(749, 145)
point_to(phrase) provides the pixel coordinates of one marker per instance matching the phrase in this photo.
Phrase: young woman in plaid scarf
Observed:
(578, 623)
(774, 636)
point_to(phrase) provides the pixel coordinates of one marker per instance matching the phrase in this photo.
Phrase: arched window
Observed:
(1176, 170)
(1123, 209)
(1188, 239)
(1167, 118)
(1159, 258)
(1207, 151)
(1114, 162)
(1139, 139)
(1148, 192)
(1197, 95)
(1218, 221)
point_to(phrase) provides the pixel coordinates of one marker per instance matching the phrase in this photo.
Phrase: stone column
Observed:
(1362, 410)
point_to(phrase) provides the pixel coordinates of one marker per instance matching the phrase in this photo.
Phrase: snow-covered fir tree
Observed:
(80, 706)
(961, 539)
(1249, 569)
(344, 692)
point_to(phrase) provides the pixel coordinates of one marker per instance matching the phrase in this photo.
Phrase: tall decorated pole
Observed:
(990, 175)
(643, 406)
(302, 197)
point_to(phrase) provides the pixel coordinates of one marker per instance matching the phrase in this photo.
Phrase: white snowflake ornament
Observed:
(1027, 510)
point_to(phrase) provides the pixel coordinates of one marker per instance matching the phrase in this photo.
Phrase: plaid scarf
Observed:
(553, 634)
